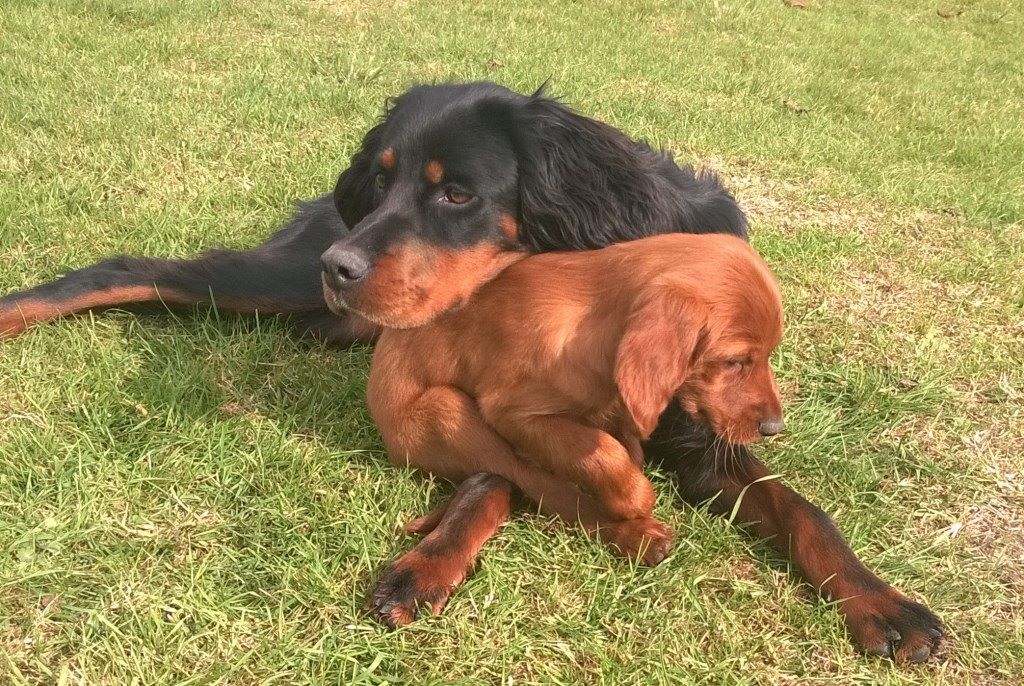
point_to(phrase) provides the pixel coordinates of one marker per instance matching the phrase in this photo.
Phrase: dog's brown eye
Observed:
(379, 181)
(734, 363)
(456, 197)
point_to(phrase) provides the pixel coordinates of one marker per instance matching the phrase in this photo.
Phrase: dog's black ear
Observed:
(584, 184)
(355, 191)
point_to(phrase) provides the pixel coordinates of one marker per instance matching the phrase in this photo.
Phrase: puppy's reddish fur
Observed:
(554, 372)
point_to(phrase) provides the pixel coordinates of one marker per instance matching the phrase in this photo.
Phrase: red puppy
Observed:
(553, 374)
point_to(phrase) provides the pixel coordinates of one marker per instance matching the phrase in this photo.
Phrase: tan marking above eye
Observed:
(509, 227)
(387, 158)
(433, 171)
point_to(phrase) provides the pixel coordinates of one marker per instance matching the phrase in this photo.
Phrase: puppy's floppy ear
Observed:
(355, 191)
(655, 355)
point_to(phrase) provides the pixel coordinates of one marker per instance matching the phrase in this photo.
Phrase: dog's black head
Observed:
(433, 201)
(458, 181)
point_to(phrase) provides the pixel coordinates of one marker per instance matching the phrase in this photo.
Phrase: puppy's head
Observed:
(731, 387)
(432, 202)
(710, 350)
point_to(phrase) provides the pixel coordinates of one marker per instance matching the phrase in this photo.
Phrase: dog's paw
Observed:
(410, 585)
(645, 539)
(888, 624)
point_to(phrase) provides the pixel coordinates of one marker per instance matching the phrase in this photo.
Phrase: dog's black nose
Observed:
(771, 426)
(342, 265)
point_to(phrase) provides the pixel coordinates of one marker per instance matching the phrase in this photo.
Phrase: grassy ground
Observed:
(198, 500)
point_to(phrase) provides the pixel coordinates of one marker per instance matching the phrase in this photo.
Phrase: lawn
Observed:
(200, 499)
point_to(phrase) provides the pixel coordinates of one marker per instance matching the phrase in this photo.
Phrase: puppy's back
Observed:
(704, 261)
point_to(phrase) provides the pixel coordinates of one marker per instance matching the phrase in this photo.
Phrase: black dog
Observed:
(453, 180)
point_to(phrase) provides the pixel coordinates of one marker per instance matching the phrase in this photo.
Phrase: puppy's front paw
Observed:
(645, 539)
(410, 584)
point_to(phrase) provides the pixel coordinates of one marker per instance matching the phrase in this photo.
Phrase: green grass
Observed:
(200, 499)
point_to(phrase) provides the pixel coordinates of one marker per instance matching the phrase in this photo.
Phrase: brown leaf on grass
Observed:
(799, 4)
(495, 63)
(794, 107)
(950, 13)
(48, 602)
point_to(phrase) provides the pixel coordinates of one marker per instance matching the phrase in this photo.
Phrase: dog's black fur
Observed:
(519, 173)
(513, 173)
(579, 183)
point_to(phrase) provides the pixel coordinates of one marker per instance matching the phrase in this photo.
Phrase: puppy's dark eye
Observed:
(456, 197)
(379, 181)
(734, 363)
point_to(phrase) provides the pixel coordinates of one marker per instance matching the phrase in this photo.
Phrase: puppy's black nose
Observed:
(771, 426)
(343, 265)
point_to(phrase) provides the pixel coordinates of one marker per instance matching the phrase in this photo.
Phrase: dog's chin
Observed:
(732, 435)
(737, 436)
(386, 318)
(396, 319)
